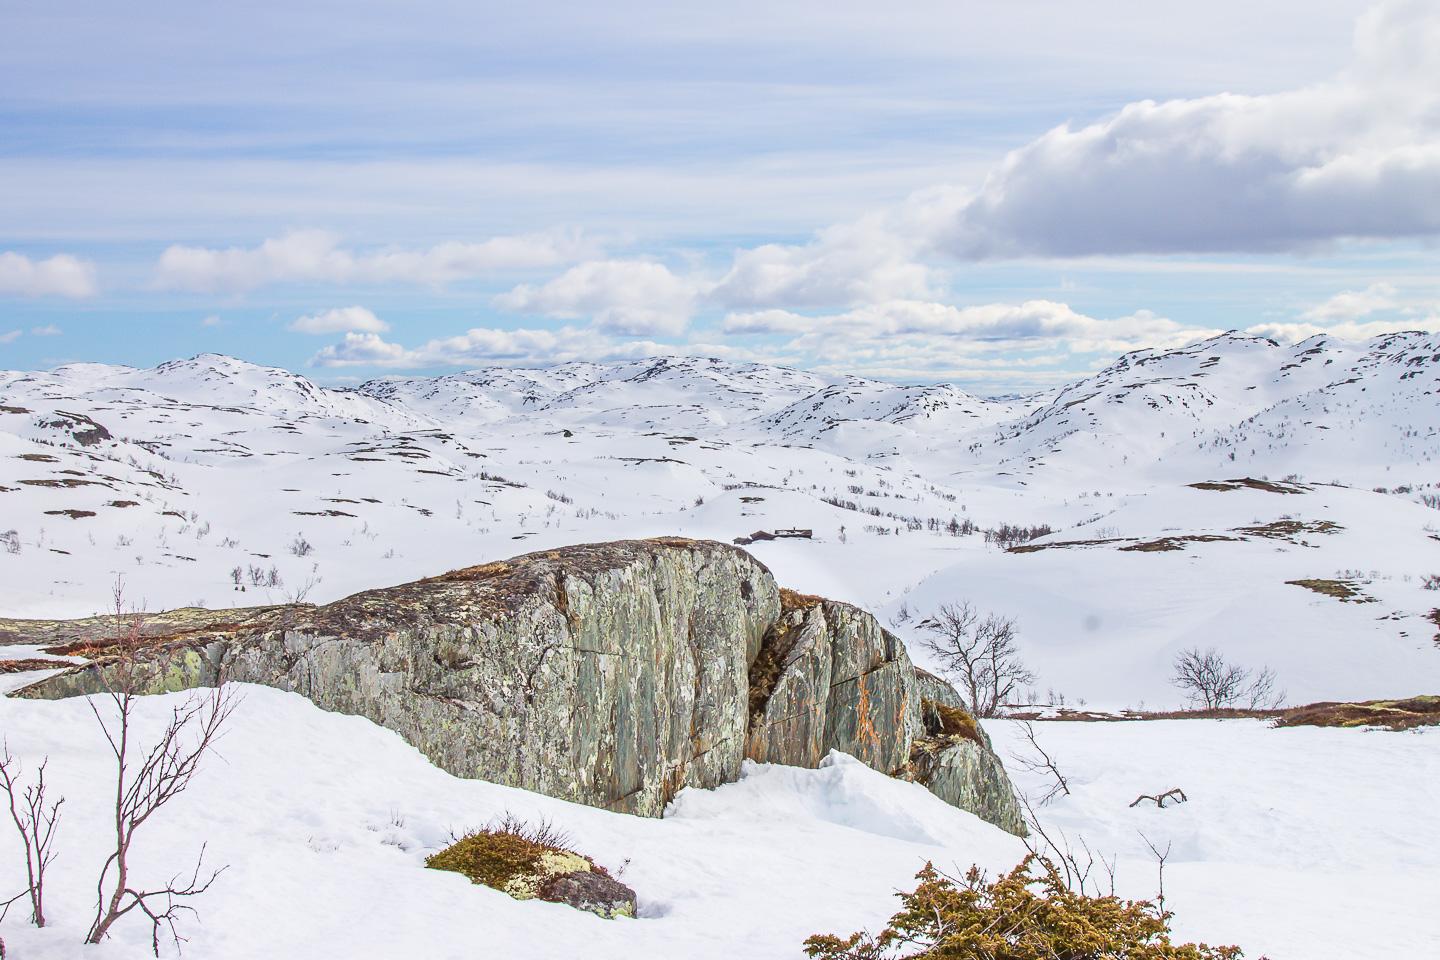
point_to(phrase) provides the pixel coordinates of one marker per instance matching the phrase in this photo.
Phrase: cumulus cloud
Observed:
(340, 320)
(49, 330)
(1356, 156)
(1358, 315)
(864, 262)
(59, 276)
(316, 256)
(1351, 304)
(484, 347)
(1056, 325)
(629, 297)
(1347, 330)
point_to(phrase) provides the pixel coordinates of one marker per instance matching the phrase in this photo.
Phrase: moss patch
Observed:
(515, 859)
(1344, 590)
(945, 721)
(506, 861)
(1391, 714)
(30, 663)
(1250, 483)
(1288, 529)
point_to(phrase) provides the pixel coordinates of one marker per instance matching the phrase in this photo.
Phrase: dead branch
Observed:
(145, 783)
(1159, 799)
(35, 819)
(1160, 859)
(1041, 762)
(1073, 866)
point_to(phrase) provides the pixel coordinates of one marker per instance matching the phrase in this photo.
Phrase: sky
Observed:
(1005, 196)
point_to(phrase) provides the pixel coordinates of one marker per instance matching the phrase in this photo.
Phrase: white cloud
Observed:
(1358, 156)
(61, 275)
(863, 262)
(49, 330)
(340, 320)
(1044, 322)
(212, 320)
(630, 297)
(11, 336)
(484, 347)
(1352, 304)
(1346, 330)
(316, 256)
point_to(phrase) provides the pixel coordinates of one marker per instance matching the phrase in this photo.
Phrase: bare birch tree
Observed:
(1211, 682)
(978, 654)
(35, 818)
(145, 781)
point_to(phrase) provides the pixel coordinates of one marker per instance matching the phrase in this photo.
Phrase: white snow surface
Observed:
(1295, 843)
(324, 842)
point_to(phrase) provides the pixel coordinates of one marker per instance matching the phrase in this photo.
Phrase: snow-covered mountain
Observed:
(215, 482)
(1324, 408)
(218, 481)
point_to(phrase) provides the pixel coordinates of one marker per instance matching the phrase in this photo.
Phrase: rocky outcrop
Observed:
(829, 678)
(609, 674)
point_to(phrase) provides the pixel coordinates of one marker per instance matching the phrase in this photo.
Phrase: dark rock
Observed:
(587, 890)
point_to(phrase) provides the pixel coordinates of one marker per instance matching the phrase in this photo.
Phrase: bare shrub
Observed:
(1430, 581)
(1208, 680)
(978, 654)
(35, 817)
(1039, 761)
(10, 541)
(300, 546)
(1009, 535)
(145, 781)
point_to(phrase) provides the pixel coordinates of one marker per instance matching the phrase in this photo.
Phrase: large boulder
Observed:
(608, 674)
(828, 677)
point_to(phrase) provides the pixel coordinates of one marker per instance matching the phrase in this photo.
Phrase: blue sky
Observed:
(917, 191)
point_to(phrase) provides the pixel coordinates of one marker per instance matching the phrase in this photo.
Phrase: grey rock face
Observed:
(840, 682)
(967, 774)
(608, 674)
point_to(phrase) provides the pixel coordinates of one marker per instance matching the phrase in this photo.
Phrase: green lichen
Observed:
(509, 860)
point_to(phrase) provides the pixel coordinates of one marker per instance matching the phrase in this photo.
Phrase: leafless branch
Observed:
(144, 783)
(1159, 799)
(1160, 859)
(35, 818)
(1041, 762)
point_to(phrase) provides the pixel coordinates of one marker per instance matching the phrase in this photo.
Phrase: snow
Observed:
(325, 842)
(326, 839)
(1295, 843)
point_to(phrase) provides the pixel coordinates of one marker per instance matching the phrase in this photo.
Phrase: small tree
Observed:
(35, 818)
(1209, 680)
(146, 781)
(977, 653)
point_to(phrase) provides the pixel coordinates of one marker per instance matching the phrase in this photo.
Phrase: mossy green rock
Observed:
(609, 674)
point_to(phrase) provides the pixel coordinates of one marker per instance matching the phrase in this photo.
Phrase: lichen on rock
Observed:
(528, 864)
(612, 674)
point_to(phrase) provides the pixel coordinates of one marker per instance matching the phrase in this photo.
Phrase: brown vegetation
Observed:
(1030, 913)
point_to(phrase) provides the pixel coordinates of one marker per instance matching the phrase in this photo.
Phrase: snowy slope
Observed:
(216, 482)
(325, 841)
(1231, 400)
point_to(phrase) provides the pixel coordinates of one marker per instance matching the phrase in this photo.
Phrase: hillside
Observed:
(216, 482)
